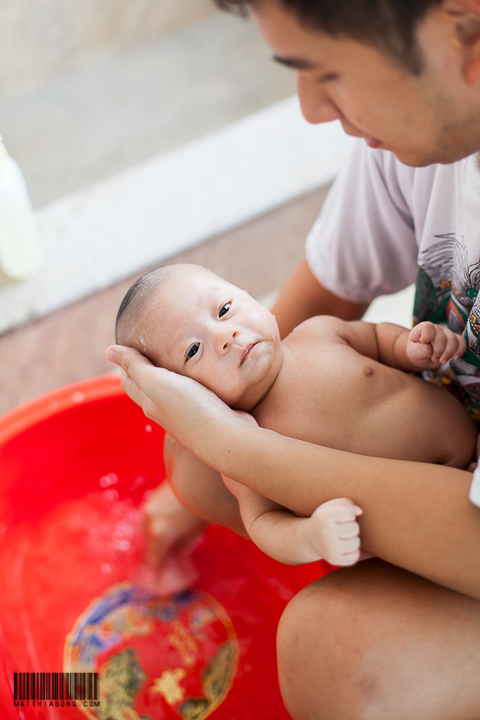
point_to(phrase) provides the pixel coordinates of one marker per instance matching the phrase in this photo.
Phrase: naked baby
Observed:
(344, 385)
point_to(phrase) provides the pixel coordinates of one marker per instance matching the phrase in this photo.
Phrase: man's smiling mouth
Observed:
(247, 352)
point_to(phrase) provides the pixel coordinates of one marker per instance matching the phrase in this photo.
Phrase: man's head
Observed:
(389, 25)
(403, 74)
(188, 320)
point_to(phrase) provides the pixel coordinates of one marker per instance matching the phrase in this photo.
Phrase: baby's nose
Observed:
(225, 338)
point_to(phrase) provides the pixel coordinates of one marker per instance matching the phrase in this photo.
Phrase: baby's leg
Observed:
(200, 489)
(167, 524)
(181, 507)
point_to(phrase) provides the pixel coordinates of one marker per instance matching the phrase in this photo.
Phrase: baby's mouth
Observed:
(246, 352)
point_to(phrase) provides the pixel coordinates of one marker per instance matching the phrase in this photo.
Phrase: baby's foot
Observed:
(334, 533)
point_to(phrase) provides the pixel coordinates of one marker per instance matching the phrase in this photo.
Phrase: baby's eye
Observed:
(192, 351)
(224, 309)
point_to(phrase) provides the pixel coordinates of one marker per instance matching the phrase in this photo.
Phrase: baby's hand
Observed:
(333, 532)
(429, 345)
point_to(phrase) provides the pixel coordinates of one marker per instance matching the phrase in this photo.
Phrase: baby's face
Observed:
(202, 326)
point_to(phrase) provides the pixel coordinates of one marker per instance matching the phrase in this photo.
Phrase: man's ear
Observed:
(464, 16)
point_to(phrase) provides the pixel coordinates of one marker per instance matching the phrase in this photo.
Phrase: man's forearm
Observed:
(303, 297)
(417, 516)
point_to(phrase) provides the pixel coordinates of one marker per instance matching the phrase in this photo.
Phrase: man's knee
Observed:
(376, 642)
(324, 673)
(302, 657)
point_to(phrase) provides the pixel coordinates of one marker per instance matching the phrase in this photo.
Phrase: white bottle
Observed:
(20, 256)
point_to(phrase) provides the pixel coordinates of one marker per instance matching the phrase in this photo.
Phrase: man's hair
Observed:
(389, 25)
(136, 300)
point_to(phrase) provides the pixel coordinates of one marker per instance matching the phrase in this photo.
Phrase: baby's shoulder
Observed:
(320, 327)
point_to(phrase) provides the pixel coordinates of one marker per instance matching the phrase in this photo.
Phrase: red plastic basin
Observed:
(74, 465)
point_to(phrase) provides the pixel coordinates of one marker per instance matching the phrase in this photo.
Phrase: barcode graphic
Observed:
(56, 686)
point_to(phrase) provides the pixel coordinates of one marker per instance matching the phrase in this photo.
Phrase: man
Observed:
(374, 641)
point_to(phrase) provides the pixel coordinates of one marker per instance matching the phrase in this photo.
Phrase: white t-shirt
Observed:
(385, 225)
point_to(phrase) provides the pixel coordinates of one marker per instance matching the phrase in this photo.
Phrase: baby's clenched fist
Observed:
(430, 345)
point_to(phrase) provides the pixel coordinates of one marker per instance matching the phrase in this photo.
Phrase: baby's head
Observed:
(187, 319)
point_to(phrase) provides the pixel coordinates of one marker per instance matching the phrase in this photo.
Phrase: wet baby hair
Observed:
(136, 300)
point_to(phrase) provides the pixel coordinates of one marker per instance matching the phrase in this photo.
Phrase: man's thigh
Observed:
(376, 642)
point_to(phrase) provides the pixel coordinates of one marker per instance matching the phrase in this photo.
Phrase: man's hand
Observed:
(430, 345)
(180, 405)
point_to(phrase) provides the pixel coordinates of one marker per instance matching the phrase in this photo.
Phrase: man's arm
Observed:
(303, 297)
(415, 515)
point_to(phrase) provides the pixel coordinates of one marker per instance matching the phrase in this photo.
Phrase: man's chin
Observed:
(415, 161)
(407, 157)
(441, 156)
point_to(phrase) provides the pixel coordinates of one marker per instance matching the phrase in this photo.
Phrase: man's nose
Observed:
(316, 107)
(224, 337)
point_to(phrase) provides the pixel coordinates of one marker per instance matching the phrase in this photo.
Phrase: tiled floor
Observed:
(69, 345)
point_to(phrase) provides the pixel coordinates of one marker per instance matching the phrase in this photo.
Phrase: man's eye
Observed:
(224, 309)
(328, 77)
(193, 351)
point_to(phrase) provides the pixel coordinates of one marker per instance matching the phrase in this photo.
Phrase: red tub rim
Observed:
(44, 406)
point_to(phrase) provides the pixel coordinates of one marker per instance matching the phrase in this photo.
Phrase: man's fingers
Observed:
(129, 384)
(130, 360)
(143, 382)
(136, 394)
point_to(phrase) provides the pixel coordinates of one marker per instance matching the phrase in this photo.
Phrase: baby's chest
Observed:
(333, 374)
(329, 390)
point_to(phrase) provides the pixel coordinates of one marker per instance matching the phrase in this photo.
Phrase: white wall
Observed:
(142, 216)
(40, 40)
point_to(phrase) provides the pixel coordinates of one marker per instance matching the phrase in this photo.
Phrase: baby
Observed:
(344, 385)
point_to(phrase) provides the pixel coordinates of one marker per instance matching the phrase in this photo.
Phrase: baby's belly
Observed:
(396, 416)
(420, 422)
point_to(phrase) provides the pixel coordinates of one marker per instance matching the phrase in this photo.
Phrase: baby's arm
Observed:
(425, 346)
(331, 533)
